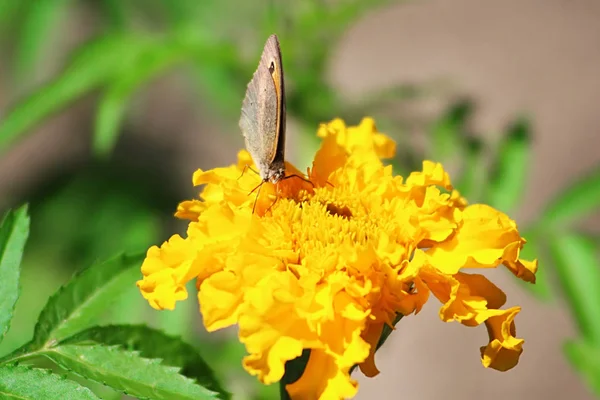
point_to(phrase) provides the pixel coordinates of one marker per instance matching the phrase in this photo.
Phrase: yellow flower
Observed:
(326, 265)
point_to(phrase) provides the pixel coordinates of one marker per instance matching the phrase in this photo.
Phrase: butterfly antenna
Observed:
(247, 167)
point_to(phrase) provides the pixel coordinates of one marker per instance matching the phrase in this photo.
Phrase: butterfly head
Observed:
(274, 175)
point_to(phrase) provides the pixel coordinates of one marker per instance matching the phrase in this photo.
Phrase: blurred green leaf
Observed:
(81, 300)
(112, 106)
(448, 132)
(128, 372)
(104, 209)
(317, 25)
(151, 343)
(474, 171)
(94, 65)
(25, 383)
(9, 9)
(576, 260)
(14, 230)
(542, 289)
(115, 12)
(182, 319)
(585, 358)
(40, 19)
(574, 203)
(510, 171)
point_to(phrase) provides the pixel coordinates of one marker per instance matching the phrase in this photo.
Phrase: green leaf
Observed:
(151, 343)
(112, 106)
(474, 171)
(88, 294)
(293, 371)
(9, 9)
(115, 13)
(510, 171)
(576, 260)
(542, 289)
(128, 372)
(387, 331)
(585, 358)
(574, 203)
(447, 132)
(385, 334)
(93, 66)
(14, 230)
(40, 18)
(20, 382)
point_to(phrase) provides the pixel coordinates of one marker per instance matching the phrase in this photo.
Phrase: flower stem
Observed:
(293, 371)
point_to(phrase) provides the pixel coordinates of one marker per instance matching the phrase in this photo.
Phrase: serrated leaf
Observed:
(585, 358)
(128, 372)
(113, 103)
(151, 343)
(25, 383)
(14, 231)
(39, 19)
(84, 297)
(576, 259)
(91, 67)
(574, 203)
(510, 172)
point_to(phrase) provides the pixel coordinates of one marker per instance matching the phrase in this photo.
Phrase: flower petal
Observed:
(503, 351)
(486, 239)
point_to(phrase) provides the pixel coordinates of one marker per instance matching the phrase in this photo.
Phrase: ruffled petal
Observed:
(486, 239)
(504, 349)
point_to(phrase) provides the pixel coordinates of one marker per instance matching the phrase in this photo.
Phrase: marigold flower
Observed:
(326, 265)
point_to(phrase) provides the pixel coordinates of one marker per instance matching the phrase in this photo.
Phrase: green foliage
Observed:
(26, 383)
(532, 250)
(135, 360)
(82, 299)
(447, 131)
(509, 177)
(92, 66)
(112, 106)
(128, 372)
(471, 182)
(14, 230)
(574, 203)
(40, 19)
(578, 268)
(151, 343)
(585, 357)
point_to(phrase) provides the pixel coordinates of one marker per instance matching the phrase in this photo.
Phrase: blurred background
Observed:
(108, 106)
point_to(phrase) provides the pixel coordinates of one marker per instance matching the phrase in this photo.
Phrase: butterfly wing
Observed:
(263, 110)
